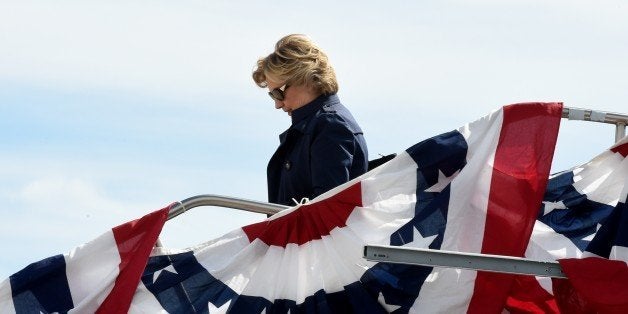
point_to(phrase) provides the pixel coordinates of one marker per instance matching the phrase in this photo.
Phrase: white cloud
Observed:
(66, 209)
(59, 190)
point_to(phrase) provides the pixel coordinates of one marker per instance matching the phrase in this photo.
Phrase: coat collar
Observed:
(301, 115)
(312, 107)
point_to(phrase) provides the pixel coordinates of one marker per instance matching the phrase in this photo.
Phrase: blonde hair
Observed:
(297, 61)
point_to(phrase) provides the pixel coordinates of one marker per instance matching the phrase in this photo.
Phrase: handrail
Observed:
(223, 201)
(474, 261)
(181, 207)
(619, 120)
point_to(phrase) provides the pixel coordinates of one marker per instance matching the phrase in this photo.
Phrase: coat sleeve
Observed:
(332, 152)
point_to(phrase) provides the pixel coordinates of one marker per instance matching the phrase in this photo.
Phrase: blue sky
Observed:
(112, 109)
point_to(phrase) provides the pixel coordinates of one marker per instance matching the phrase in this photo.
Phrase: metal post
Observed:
(619, 120)
(485, 262)
(620, 131)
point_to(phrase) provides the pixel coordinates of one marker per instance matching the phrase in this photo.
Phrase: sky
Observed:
(112, 109)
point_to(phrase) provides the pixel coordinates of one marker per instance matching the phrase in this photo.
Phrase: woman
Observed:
(324, 147)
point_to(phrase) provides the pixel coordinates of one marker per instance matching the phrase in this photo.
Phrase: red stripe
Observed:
(521, 167)
(622, 149)
(135, 241)
(595, 284)
(308, 222)
(527, 296)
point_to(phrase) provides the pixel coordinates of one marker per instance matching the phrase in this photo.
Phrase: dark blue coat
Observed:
(323, 148)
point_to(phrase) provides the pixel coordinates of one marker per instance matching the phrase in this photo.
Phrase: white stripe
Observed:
(220, 253)
(391, 183)
(6, 297)
(450, 290)
(295, 272)
(603, 178)
(548, 245)
(92, 269)
(389, 198)
(619, 253)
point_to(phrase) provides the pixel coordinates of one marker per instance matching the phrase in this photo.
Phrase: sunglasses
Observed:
(278, 93)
